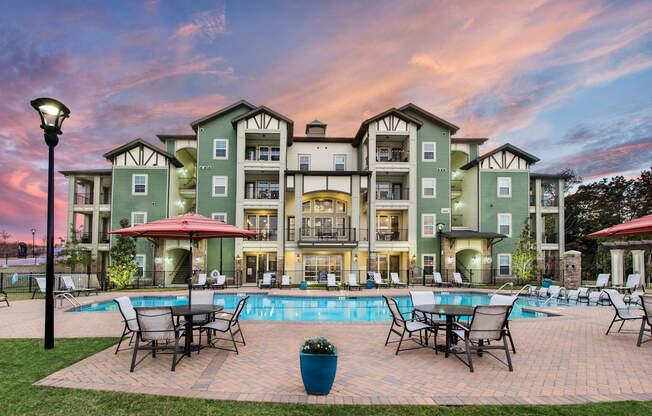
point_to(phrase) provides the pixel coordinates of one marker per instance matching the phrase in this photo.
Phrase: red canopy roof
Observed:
(185, 226)
(641, 225)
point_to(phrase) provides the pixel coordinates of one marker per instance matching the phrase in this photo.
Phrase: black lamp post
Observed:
(33, 230)
(440, 228)
(52, 113)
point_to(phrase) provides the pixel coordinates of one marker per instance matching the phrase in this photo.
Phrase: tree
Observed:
(525, 257)
(73, 254)
(123, 267)
(5, 235)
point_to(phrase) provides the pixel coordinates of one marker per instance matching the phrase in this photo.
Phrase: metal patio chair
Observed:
(601, 282)
(378, 280)
(510, 301)
(622, 313)
(69, 284)
(201, 282)
(457, 279)
(646, 304)
(396, 281)
(353, 282)
(128, 313)
(157, 334)
(401, 326)
(437, 279)
(285, 282)
(226, 323)
(331, 283)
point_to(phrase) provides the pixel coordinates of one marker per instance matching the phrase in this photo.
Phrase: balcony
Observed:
(264, 234)
(85, 198)
(187, 183)
(550, 238)
(549, 201)
(270, 191)
(392, 156)
(105, 198)
(83, 237)
(327, 237)
(457, 220)
(395, 194)
(391, 235)
(104, 238)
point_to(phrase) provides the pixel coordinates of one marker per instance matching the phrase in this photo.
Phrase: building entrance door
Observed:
(251, 269)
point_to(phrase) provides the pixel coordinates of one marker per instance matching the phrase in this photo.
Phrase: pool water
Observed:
(347, 309)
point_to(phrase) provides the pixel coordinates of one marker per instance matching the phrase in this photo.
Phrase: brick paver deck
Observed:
(561, 360)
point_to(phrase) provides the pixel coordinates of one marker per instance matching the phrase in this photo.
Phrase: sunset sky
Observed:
(569, 81)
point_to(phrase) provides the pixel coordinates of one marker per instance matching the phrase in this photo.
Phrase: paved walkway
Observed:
(560, 360)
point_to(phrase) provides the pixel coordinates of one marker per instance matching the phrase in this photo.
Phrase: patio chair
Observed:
(40, 288)
(601, 282)
(157, 333)
(396, 281)
(353, 282)
(422, 297)
(487, 324)
(554, 291)
(597, 297)
(531, 290)
(201, 282)
(457, 279)
(437, 279)
(635, 297)
(573, 295)
(510, 301)
(331, 283)
(633, 283)
(129, 317)
(227, 323)
(543, 292)
(400, 326)
(285, 282)
(69, 284)
(267, 280)
(646, 304)
(220, 282)
(582, 295)
(378, 280)
(622, 313)
(4, 297)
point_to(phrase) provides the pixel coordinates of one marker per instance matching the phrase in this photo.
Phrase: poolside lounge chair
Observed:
(69, 284)
(554, 291)
(396, 281)
(353, 282)
(422, 297)
(457, 279)
(437, 279)
(40, 288)
(646, 304)
(635, 297)
(201, 282)
(229, 323)
(378, 280)
(129, 316)
(220, 282)
(157, 332)
(573, 295)
(331, 283)
(633, 283)
(3, 297)
(532, 290)
(597, 297)
(400, 326)
(510, 301)
(267, 280)
(285, 282)
(582, 295)
(487, 324)
(543, 292)
(601, 282)
(622, 313)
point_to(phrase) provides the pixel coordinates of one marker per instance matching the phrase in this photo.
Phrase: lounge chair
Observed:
(220, 282)
(532, 291)
(331, 283)
(600, 283)
(543, 292)
(582, 295)
(69, 284)
(510, 301)
(227, 323)
(378, 280)
(422, 297)
(129, 316)
(457, 279)
(597, 297)
(573, 295)
(201, 282)
(353, 282)
(4, 297)
(635, 297)
(487, 324)
(400, 326)
(58, 294)
(622, 313)
(396, 281)
(437, 279)
(554, 291)
(633, 283)
(646, 304)
(267, 280)
(285, 282)
(157, 333)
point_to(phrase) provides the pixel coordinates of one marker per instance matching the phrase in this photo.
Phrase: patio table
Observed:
(187, 313)
(450, 311)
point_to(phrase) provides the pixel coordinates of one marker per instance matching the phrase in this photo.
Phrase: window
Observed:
(221, 147)
(304, 162)
(504, 187)
(276, 154)
(323, 205)
(505, 224)
(428, 188)
(220, 185)
(138, 217)
(263, 153)
(504, 264)
(219, 216)
(428, 264)
(305, 207)
(250, 153)
(340, 207)
(139, 184)
(340, 162)
(428, 151)
(140, 264)
(428, 225)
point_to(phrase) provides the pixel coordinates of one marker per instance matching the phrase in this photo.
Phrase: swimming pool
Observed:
(347, 309)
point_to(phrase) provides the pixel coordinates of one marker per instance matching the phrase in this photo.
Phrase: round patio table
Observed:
(188, 313)
(450, 311)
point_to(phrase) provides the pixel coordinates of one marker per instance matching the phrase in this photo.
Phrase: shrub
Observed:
(318, 346)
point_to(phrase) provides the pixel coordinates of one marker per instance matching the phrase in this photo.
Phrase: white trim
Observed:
(509, 179)
(138, 212)
(226, 154)
(133, 184)
(434, 152)
(434, 226)
(510, 263)
(510, 222)
(434, 188)
(299, 160)
(226, 186)
(335, 161)
(434, 262)
(214, 214)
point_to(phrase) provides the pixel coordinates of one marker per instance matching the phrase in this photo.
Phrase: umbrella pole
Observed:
(221, 270)
(191, 273)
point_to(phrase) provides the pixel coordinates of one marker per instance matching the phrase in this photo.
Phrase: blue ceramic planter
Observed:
(370, 284)
(304, 286)
(318, 372)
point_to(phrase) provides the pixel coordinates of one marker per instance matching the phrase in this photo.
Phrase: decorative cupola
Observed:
(316, 128)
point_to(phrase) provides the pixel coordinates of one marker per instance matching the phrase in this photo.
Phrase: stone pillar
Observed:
(447, 259)
(638, 264)
(540, 267)
(572, 269)
(617, 266)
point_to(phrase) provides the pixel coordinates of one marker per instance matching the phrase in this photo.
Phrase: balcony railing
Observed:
(456, 185)
(104, 238)
(550, 238)
(85, 198)
(533, 200)
(549, 201)
(262, 192)
(83, 237)
(393, 156)
(264, 234)
(401, 194)
(327, 234)
(391, 235)
(457, 220)
(187, 183)
(105, 198)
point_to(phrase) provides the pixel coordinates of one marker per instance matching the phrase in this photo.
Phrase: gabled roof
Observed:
(431, 117)
(269, 111)
(164, 137)
(237, 104)
(316, 123)
(542, 175)
(508, 147)
(138, 142)
(322, 139)
(392, 111)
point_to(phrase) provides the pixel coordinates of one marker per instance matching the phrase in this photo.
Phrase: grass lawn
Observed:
(23, 361)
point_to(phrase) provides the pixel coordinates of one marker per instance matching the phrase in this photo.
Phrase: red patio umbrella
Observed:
(191, 226)
(641, 225)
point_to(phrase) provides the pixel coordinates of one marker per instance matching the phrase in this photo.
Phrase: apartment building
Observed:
(400, 195)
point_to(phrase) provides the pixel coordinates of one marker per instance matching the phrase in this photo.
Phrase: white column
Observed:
(617, 266)
(71, 204)
(95, 219)
(371, 188)
(537, 213)
(413, 220)
(298, 206)
(240, 184)
(638, 263)
(280, 212)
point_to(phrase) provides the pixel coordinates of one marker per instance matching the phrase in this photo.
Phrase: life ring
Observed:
(215, 273)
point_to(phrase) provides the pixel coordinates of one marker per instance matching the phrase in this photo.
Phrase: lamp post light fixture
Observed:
(440, 228)
(52, 114)
(33, 230)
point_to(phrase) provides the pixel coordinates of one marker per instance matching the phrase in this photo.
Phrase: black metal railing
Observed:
(550, 238)
(456, 185)
(393, 156)
(327, 234)
(85, 198)
(104, 238)
(549, 201)
(398, 194)
(271, 156)
(262, 192)
(391, 235)
(457, 220)
(264, 233)
(83, 237)
(187, 183)
(105, 198)
(533, 200)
